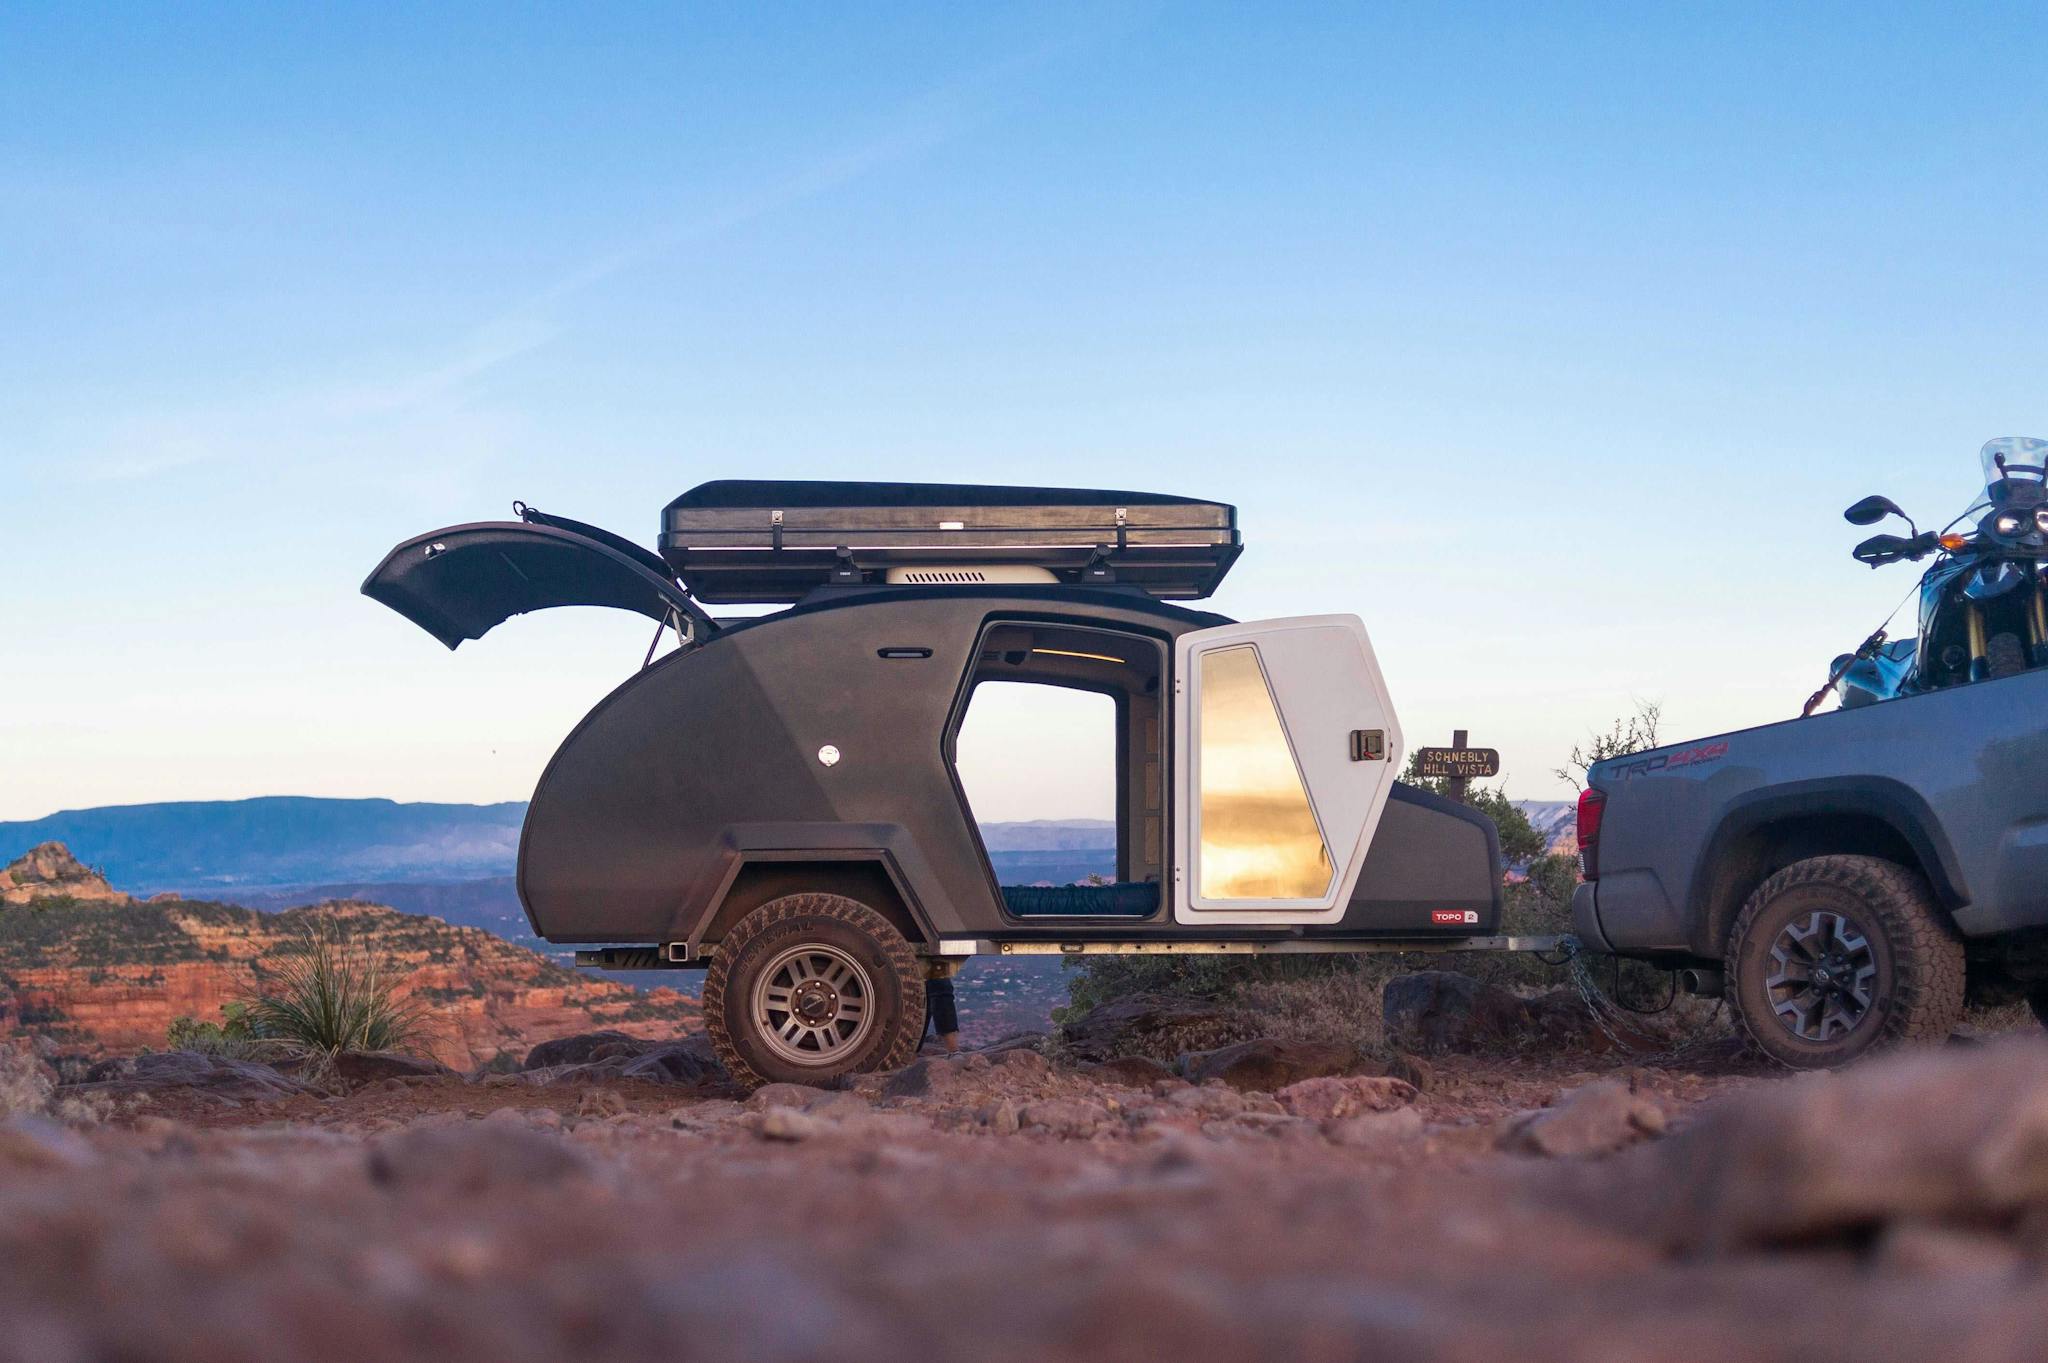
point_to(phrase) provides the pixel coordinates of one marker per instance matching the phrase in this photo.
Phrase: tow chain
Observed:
(1613, 1019)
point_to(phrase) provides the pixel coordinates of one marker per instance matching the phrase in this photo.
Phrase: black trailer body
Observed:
(794, 772)
(705, 767)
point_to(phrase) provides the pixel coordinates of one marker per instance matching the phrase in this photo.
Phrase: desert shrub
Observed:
(1095, 980)
(329, 992)
(1635, 732)
(1343, 1005)
(232, 1036)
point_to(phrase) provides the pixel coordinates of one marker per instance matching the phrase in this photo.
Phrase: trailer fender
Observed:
(877, 864)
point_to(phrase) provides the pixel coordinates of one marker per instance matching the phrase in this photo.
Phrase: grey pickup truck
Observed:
(1845, 878)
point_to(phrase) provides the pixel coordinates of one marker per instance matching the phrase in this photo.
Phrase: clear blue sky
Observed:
(1549, 340)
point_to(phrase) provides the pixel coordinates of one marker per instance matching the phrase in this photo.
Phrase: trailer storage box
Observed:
(758, 541)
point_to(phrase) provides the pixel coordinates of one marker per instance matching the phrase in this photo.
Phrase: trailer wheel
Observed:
(809, 987)
(1835, 957)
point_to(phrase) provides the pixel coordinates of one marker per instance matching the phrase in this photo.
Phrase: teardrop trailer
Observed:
(776, 801)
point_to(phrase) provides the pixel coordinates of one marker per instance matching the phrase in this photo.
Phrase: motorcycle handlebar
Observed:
(1879, 550)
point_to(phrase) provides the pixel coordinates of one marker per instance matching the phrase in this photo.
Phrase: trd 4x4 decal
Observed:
(1683, 757)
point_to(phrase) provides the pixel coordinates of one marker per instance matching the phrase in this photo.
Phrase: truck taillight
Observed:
(1592, 804)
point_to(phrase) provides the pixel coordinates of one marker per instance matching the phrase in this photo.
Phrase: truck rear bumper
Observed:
(1586, 917)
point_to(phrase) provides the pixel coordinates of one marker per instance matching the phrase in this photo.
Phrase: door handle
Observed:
(1368, 745)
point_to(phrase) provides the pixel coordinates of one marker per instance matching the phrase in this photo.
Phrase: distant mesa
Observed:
(227, 848)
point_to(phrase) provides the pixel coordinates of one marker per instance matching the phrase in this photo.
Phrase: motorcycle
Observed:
(1984, 600)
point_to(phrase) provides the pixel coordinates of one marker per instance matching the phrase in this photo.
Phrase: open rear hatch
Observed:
(463, 581)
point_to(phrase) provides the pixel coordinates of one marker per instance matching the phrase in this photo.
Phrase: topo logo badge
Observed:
(1454, 917)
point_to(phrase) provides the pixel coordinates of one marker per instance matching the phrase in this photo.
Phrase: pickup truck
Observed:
(1842, 879)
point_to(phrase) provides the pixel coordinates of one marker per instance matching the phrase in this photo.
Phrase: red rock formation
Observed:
(49, 871)
(103, 973)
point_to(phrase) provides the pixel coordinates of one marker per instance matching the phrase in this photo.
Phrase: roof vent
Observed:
(970, 577)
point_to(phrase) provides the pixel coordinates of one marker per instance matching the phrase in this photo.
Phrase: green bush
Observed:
(232, 1036)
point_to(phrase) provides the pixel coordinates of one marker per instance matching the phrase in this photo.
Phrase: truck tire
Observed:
(1836, 957)
(809, 987)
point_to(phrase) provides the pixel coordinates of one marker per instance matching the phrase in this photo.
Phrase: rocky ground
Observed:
(613, 1201)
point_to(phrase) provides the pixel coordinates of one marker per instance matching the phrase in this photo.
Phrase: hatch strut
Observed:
(691, 622)
(686, 635)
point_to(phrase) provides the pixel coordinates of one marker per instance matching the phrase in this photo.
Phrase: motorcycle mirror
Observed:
(1873, 509)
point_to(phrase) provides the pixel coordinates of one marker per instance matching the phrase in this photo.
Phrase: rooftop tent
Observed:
(742, 540)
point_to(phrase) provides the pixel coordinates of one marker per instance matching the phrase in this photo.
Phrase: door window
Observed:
(1259, 838)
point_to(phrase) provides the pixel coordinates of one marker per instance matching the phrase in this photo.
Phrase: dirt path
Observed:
(992, 1211)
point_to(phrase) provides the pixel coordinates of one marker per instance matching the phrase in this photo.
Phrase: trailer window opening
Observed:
(1258, 833)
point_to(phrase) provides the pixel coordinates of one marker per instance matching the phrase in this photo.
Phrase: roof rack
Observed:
(742, 540)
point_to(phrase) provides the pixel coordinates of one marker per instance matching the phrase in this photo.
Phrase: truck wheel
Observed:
(1835, 957)
(809, 987)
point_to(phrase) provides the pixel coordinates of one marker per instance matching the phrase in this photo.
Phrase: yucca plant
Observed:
(328, 993)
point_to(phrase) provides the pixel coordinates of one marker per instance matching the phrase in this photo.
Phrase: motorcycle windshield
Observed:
(2011, 463)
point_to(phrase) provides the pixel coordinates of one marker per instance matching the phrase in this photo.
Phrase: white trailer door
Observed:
(1285, 745)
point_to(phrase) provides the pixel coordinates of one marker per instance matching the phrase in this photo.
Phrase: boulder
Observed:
(1267, 1064)
(933, 1077)
(1021, 1062)
(1435, 1011)
(1594, 1119)
(1209, 1101)
(1412, 1068)
(369, 1067)
(1441, 1010)
(1348, 1096)
(770, 1096)
(788, 1124)
(1063, 1117)
(215, 1075)
(1135, 1070)
(1142, 1024)
(1374, 1130)
(1956, 1137)
(689, 1061)
(579, 1050)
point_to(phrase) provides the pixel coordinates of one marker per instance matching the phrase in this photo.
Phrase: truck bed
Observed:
(1953, 782)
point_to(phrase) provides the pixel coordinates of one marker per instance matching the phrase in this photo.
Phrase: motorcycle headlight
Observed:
(2041, 519)
(2007, 524)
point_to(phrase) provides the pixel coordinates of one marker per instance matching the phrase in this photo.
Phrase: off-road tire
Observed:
(828, 920)
(1917, 995)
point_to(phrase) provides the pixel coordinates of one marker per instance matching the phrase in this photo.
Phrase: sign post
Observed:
(1457, 764)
